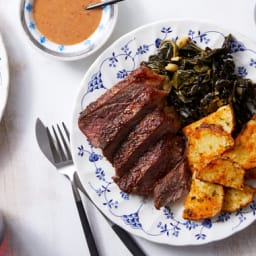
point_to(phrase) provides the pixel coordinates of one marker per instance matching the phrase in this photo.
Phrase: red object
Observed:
(5, 246)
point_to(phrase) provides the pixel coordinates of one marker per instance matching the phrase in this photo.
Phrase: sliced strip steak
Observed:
(107, 126)
(137, 133)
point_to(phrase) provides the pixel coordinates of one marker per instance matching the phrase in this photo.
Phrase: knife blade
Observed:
(43, 140)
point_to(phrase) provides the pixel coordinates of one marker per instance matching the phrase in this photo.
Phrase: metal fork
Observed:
(63, 158)
(60, 156)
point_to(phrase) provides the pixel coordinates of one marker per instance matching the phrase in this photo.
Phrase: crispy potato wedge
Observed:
(235, 199)
(244, 151)
(223, 171)
(223, 117)
(206, 142)
(204, 200)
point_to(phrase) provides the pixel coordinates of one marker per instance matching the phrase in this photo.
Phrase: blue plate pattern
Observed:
(134, 213)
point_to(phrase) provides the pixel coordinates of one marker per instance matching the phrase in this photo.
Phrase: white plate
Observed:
(4, 77)
(134, 214)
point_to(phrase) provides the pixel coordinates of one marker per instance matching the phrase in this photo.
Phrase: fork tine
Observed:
(55, 153)
(66, 131)
(60, 149)
(64, 141)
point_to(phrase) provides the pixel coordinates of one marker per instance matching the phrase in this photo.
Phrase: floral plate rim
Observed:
(95, 172)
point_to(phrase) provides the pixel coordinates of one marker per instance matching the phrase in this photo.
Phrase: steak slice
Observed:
(149, 163)
(147, 132)
(174, 153)
(140, 76)
(172, 186)
(107, 126)
(152, 166)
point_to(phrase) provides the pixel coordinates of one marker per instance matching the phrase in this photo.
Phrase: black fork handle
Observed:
(85, 223)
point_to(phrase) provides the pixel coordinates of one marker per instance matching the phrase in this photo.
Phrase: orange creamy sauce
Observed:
(66, 21)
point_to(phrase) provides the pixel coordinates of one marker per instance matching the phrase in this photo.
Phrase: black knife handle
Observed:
(85, 223)
(128, 241)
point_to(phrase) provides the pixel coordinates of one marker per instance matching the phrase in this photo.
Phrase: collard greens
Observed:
(204, 81)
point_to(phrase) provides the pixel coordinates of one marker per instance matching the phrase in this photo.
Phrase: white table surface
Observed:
(36, 201)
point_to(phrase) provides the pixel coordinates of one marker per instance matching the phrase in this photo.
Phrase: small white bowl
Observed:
(68, 52)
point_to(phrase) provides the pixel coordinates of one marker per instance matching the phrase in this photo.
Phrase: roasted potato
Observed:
(206, 142)
(244, 151)
(220, 165)
(223, 171)
(204, 200)
(235, 199)
(223, 117)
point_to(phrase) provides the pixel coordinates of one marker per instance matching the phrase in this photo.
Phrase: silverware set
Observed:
(54, 144)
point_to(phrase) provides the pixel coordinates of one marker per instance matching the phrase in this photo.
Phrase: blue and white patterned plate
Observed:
(4, 77)
(133, 213)
(68, 52)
